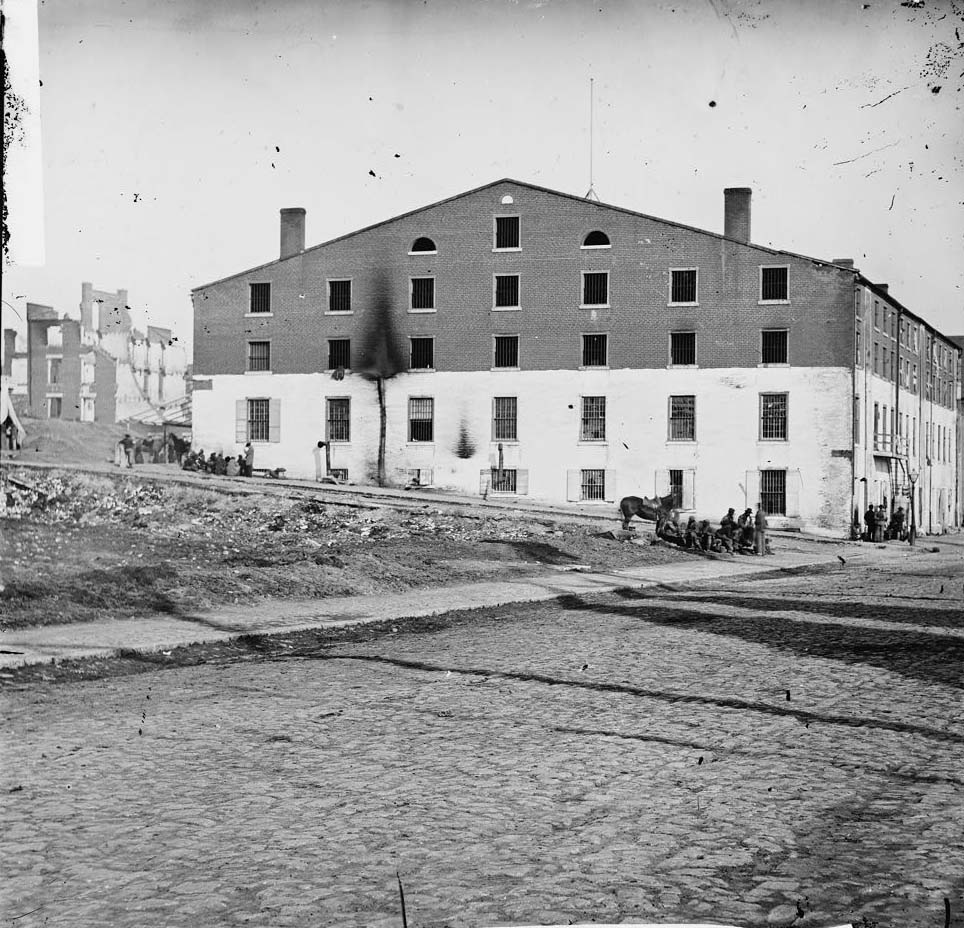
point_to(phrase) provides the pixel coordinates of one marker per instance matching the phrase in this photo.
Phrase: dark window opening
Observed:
(505, 418)
(54, 371)
(676, 488)
(682, 348)
(773, 283)
(773, 347)
(595, 350)
(507, 351)
(507, 232)
(338, 419)
(339, 353)
(682, 418)
(595, 288)
(506, 290)
(423, 244)
(259, 356)
(423, 293)
(423, 354)
(773, 492)
(596, 239)
(261, 298)
(593, 418)
(421, 418)
(339, 296)
(55, 407)
(683, 287)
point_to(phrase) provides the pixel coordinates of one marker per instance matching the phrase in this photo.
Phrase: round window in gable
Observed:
(596, 239)
(423, 245)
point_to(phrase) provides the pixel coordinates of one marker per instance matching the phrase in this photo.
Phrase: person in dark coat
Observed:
(248, 460)
(870, 520)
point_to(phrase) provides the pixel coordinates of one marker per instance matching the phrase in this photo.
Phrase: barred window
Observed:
(773, 416)
(507, 232)
(259, 356)
(773, 346)
(505, 418)
(423, 244)
(339, 473)
(773, 284)
(683, 287)
(773, 492)
(507, 482)
(339, 296)
(423, 293)
(595, 288)
(421, 418)
(507, 291)
(682, 418)
(595, 350)
(258, 420)
(53, 370)
(339, 353)
(682, 348)
(260, 298)
(423, 354)
(593, 418)
(338, 419)
(676, 488)
(506, 350)
(592, 484)
(596, 239)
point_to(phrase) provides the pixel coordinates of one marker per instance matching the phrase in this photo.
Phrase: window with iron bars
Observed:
(507, 482)
(683, 286)
(338, 419)
(595, 351)
(421, 418)
(260, 298)
(506, 351)
(423, 293)
(595, 288)
(592, 484)
(682, 348)
(774, 284)
(773, 346)
(339, 296)
(507, 232)
(259, 356)
(682, 418)
(339, 353)
(593, 419)
(507, 291)
(423, 353)
(773, 416)
(258, 420)
(676, 488)
(339, 473)
(773, 492)
(505, 410)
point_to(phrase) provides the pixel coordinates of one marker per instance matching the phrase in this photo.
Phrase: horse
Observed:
(645, 508)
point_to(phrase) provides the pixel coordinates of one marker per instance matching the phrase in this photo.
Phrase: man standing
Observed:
(880, 524)
(760, 531)
(127, 444)
(870, 520)
(248, 460)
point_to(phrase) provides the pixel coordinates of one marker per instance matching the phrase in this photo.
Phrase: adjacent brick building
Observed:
(554, 346)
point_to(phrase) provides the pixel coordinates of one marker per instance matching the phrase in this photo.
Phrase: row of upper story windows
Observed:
(890, 364)
(506, 355)
(892, 325)
(897, 433)
(594, 292)
(507, 236)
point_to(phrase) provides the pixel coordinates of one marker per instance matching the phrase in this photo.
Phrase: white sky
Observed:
(173, 132)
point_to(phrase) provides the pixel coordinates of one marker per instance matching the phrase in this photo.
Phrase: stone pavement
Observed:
(162, 632)
(763, 750)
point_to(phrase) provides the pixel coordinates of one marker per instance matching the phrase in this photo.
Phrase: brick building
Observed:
(100, 368)
(592, 352)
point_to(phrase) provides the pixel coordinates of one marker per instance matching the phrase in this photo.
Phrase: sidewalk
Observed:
(162, 632)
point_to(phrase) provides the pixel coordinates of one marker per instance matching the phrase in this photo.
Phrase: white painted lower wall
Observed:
(721, 465)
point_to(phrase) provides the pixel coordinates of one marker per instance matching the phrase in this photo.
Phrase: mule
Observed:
(645, 508)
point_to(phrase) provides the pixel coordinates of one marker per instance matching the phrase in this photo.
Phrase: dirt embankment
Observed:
(77, 547)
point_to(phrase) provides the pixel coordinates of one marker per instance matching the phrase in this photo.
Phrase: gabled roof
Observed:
(556, 193)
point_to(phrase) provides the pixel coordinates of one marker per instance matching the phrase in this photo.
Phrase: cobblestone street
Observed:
(772, 750)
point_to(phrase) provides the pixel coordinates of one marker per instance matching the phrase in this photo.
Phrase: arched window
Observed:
(596, 239)
(422, 245)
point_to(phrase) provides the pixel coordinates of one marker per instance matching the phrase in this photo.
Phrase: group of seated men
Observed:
(216, 463)
(735, 535)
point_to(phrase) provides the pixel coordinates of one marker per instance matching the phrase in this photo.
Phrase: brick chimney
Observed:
(884, 287)
(844, 262)
(736, 213)
(292, 232)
